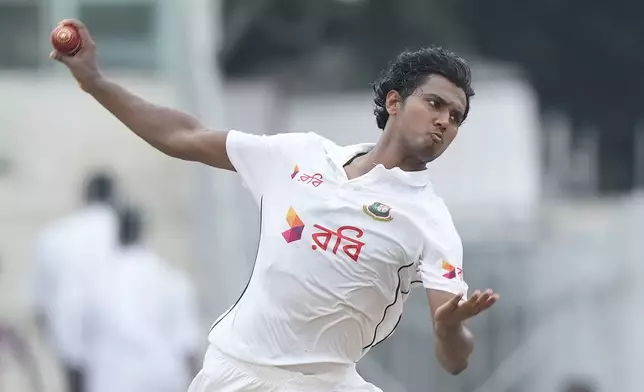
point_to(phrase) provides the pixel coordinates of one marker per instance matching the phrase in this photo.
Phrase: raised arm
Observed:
(172, 132)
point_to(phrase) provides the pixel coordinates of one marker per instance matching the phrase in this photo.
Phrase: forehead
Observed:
(441, 86)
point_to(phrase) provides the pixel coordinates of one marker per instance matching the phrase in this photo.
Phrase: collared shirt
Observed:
(337, 256)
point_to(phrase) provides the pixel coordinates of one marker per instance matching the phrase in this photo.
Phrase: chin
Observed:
(430, 154)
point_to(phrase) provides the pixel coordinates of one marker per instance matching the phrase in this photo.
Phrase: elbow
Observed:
(457, 369)
(453, 366)
(455, 360)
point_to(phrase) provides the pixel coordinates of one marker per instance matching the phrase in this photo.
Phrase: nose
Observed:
(442, 120)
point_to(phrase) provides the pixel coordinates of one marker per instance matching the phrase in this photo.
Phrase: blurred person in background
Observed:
(345, 231)
(141, 320)
(579, 386)
(68, 250)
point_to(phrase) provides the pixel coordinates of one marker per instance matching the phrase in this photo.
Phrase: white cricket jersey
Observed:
(336, 257)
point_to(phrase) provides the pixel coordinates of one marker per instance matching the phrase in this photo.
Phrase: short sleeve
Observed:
(441, 265)
(256, 157)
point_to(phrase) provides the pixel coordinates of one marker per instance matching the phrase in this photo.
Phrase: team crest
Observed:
(378, 211)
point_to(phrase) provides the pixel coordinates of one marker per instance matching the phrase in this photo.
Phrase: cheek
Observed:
(450, 134)
(419, 119)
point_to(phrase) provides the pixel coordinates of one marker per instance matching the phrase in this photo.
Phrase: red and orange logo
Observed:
(296, 227)
(314, 179)
(451, 271)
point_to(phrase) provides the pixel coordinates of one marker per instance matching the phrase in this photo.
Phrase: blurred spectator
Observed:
(141, 320)
(579, 386)
(66, 251)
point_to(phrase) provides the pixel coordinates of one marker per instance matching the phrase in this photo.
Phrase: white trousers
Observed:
(221, 373)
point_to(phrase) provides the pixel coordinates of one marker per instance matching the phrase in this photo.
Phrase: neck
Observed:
(388, 152)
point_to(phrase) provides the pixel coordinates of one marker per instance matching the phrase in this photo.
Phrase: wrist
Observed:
(446, 331)
(92, 83)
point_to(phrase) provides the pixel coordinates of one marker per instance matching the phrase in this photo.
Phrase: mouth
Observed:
(437, 138)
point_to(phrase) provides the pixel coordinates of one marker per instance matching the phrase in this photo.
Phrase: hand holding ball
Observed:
(66, 39)
(74, 47)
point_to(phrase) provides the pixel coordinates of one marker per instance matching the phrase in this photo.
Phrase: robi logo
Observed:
(296, 227)
(451, 271)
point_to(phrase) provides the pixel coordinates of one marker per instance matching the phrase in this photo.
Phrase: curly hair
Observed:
(410, 70)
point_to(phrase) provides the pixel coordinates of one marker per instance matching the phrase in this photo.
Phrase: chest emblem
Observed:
(378, 211)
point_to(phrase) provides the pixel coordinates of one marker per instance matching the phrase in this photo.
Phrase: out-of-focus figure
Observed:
(141, 320)
(579, 386)
(68, 251)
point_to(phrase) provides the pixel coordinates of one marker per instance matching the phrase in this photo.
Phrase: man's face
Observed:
(428, 120)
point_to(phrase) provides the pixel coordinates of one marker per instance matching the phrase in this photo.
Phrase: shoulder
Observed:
(438, 223)
(275, 139)
(252, 147)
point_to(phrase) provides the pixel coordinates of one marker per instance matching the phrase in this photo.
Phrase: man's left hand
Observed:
(457, 310)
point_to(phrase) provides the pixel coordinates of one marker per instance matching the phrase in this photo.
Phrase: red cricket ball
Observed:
(66, 39)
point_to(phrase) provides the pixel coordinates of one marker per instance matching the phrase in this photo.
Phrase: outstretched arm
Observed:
(170, 131)
(454, 343)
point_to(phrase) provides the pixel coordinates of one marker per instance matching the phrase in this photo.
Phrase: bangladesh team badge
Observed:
(378, 211)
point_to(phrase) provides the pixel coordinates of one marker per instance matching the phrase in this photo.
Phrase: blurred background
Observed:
(544, 181)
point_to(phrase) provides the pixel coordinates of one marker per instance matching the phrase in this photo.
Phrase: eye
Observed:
(433, 103)
(455, 118)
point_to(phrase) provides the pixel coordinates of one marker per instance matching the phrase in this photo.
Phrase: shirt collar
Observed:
(340, 155)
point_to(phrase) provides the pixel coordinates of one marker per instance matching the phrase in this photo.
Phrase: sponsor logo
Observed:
(350, 246)
(314, 179)
(296, 227)
(378, 211)
(451, 272)
(296, 170)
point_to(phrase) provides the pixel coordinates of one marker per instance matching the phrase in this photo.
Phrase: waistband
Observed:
(282, 376)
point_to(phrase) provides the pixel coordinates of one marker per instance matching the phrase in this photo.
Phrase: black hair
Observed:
(100, 188)
(130, 226)
(410, 70)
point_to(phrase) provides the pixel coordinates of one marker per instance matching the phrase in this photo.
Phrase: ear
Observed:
(393, 101)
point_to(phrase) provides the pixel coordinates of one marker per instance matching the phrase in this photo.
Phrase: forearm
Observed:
(453, 347)
(159, 126)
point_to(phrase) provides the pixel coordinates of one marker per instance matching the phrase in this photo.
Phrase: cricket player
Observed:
(345, 231)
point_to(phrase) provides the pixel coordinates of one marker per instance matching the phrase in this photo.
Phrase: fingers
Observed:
(457, 310)
(455, 301)
(485, 301)
(55, 55)
(61, 58)
(73, 22)
(474, 298)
